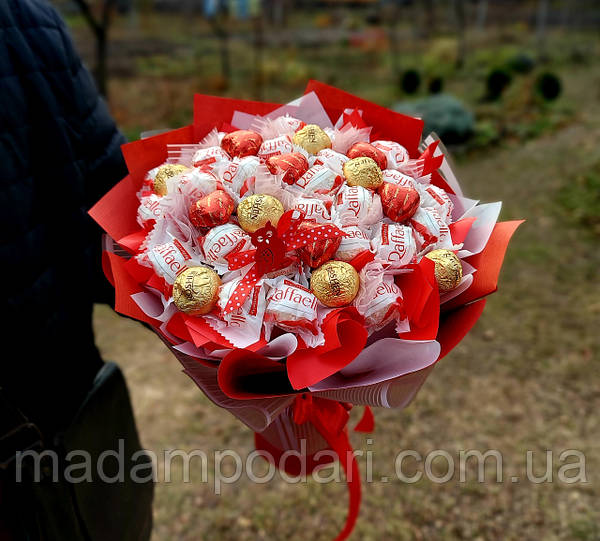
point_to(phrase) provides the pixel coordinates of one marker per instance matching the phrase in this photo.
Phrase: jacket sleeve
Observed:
(96, 143)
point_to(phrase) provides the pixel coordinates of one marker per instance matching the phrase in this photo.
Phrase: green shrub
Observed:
(442, 114)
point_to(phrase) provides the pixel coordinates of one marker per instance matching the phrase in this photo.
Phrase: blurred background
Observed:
(513, 89)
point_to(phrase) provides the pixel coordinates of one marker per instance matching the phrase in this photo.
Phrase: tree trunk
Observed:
(100, 30)
(459, 12)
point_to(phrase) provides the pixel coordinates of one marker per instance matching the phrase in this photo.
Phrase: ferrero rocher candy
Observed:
(212, 209)
(196, 290)
(241, 143)
(164, 173)
(363, 171)
(255, 211)
(448, 270)
(335, 283)
(312, 138)
(367, 149)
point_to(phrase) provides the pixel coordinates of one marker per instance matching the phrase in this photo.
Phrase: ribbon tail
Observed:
(340, 444)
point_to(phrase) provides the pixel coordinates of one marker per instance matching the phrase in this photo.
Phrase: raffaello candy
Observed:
(430, 230)
(385, 305)
(169, 259)
(332, 160)
(353, 204)
(149, 210)
(353, 243)
(209, 157)
(196, 182)
(395, 153)
(237, 174)
(275, 147)
(314, 209)
(252, 309)
(221, 241)
(394, 245)
(319, 179)
(434, 197)
(396, 177)
(291, 306)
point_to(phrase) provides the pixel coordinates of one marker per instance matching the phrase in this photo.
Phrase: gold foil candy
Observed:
(196, 290)
(363, 171)
(255, 211)
(164, 173)
(312, 138)
(448, 270)
(335, 283)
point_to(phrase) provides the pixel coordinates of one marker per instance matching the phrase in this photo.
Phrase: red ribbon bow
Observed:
(272, 246)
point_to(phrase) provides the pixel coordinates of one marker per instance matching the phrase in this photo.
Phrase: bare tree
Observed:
(99, 25)
(459, 12)
(220, 28)
(540, 26)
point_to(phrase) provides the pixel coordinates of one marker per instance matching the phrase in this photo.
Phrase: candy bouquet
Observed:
(299, 260)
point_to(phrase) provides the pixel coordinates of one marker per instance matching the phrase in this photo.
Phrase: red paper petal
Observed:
(133, 241)
(459, 230)
(456, 324)
(390, 125)
(367, 421)
(421, 301)
(244, 374)
(143, 155)
(116, 212)
(438, 180)
(125, 286)
(201, 328)
(345, 338)
(211, 111)
(488, 264)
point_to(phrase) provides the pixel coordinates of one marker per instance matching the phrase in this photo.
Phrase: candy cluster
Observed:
(262, 231)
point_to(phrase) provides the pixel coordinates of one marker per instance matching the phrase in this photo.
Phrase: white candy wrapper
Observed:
(221, 241)
(434, 197)
(385, 305)
(396, 177)
(395, 153)
(243, 326)
(430, 230)
(171, 258)
(314, 209)
(355, 242)
(237, 174)
(353, 204)
(394, 245)
(332, 160)
(271, 128)
(209, 157)
(149, 210)
(319, 179)
(291, 307)
(275, 147)
(348, 135)
(195, 183)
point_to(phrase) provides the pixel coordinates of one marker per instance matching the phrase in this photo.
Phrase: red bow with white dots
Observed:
(271, 252)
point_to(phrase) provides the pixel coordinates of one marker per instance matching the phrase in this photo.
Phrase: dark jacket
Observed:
(59, 153)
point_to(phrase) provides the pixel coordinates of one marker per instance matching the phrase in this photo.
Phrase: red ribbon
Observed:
(330, 418)
(272, 245)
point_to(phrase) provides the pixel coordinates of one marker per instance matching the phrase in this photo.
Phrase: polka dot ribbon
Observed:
(289, 238)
